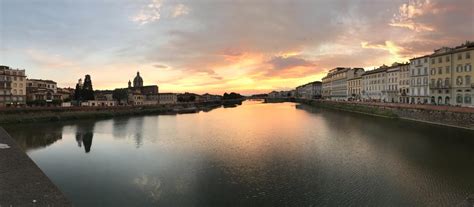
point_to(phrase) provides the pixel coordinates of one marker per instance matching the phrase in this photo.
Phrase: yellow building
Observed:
(450, 75)
(462, 73)
(12, 86)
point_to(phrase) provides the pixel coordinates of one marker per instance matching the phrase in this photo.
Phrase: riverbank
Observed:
(22, 183)
(459, 117)
(27, 115)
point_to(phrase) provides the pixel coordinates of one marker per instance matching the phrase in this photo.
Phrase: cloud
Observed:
(49, 61)
(148, 14)
(408, 12)
(180, 10)
(282, 63)
(160, 66)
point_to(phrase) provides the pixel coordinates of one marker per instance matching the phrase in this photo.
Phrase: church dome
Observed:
(138, 81)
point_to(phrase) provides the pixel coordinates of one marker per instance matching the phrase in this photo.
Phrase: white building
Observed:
(419, 80)
(391, 89)
(97, 103)
(334, 85)
(309, 91)
(168, 98)
(374, 84)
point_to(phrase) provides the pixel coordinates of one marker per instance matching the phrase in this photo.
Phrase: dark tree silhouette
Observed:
(87, 90)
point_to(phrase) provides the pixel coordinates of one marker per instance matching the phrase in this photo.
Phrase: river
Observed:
(256, 154)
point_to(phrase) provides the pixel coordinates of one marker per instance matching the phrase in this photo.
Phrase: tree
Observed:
(120, 94)
(232, 95)
(78, 92)
(87, 90)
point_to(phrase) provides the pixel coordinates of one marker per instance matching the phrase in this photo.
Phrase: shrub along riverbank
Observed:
(24, 115)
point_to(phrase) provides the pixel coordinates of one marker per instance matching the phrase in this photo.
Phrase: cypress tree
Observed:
(87, 90)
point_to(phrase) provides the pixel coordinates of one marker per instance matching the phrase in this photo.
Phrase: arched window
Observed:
(440, 100)
(459, 98)
(467, 99)
(446, 100)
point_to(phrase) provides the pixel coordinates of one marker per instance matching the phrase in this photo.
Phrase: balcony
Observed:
(438, 86)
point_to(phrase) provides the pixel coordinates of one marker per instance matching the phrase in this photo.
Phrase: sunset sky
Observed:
(221, 45)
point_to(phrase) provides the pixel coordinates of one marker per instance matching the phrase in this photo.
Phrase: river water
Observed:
(257, 154)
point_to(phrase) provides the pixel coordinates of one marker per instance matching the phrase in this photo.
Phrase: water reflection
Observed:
(85, 134)
(254, 155)
(30, 137)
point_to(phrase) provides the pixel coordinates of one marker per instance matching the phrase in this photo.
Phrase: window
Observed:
(419, 71)
(447, 69)
(446, 82)
(447, 58)
(468, 55)
(440, 60)
(425, 71)
(459, 98)
(432, 61)
(467, 99)
(459, 56)
(468, 80)
(459, 80)
(440, 70)
(459, 68)
(433, 71)
(468, 68)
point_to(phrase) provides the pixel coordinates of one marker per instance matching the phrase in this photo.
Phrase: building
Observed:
(462, 85)
(98, 103)
(310, 90)
(391, 89)
(210, 98)
(41, 90)
(65, 94)
(440, 76)
(374, 84)
(326, 87)
(335, 82)
(354, 88)
(404, 83)
(419, 92)
(139, 94)
(168, 98)
(12, 86)
(451, 75)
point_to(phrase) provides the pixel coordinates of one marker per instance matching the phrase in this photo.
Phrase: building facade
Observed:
(374, 84)
(462, 85)
(404, 83)
(391, 89)
(310, 90)
(41, 90)
(354, 88)
(334, 84)
(168, 98)
(419, 92)
(12, 86)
